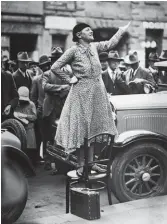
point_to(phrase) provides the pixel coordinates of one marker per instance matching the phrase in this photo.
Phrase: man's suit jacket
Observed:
(37, 94)
(108, 82)
(8, 90)
(20, 80)
(141, 73)
(55, 95)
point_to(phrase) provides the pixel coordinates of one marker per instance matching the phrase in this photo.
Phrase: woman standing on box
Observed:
(87, 111)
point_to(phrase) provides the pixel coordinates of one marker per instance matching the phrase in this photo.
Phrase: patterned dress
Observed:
(87, 111)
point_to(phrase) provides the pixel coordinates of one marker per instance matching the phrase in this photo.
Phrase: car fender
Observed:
(133, 136)
(16, 154)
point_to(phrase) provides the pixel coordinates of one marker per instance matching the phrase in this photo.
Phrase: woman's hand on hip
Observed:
(73, 80)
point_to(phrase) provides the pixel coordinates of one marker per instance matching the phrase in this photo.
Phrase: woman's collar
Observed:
(83, 49)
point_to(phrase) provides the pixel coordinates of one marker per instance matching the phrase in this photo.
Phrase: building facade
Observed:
(38, 26)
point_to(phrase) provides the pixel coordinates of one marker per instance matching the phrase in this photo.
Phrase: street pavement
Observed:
(46, 205)
(47, 196)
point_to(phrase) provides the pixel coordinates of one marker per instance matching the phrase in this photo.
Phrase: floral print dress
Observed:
(87, 111)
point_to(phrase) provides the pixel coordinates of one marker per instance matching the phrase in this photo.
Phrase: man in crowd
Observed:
(9, 94)
(37, 96)
(55, 94)
(33, 66)
(131, 81)
(103, 57)
(22, 76)
(109, 76)
(163, 74)
(152, 58)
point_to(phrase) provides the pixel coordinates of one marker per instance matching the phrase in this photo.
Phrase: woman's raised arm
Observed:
(110, 44)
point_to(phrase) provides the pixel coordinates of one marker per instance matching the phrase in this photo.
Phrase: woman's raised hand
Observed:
(125, 27)
(73, 80)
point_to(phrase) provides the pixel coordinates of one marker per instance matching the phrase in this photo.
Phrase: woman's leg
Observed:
(80, 156)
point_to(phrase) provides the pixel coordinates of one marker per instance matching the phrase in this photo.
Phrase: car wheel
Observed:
(14, 191)
(140, 172)
(16, 128)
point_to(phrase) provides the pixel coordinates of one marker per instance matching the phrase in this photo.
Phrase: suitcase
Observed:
(85, 203)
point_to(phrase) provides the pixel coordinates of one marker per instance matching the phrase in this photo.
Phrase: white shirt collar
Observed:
(111, 73)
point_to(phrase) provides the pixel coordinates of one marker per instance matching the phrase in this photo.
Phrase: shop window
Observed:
(153, 42)
(58, 40)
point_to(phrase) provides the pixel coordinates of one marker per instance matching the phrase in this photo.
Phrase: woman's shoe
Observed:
(80, 171)
(98, 169)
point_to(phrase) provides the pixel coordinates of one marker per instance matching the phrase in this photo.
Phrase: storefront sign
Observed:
(152, 25)
(60, 23)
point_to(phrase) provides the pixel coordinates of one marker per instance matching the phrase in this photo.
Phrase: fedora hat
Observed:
(44, 60)
(163, 56)
(33, 63)
(153, 56)
(23, 56)
(114, 55)
(103, 56)
(23, 92)
(56, 52)
(131, 58)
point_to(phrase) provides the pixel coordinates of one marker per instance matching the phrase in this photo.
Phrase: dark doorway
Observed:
(22, 42)
(155, 35)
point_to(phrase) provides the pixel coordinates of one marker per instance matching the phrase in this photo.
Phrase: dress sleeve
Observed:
(108, 45)
(66, 58)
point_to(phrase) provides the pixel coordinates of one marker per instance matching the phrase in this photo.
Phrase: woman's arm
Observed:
(108, 45)
(66, 58)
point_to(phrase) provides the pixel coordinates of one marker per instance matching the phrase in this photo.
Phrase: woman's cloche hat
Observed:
(23, 92)
(78, 28)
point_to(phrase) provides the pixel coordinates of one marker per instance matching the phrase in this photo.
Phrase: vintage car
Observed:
(15, 166)
(139, 166)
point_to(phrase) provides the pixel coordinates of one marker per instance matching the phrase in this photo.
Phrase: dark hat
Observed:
(44, 60)
(114, 55)
(77, 28)
(103, 56)
(153, 56)
(56, 52)
(131, 58)
(33, 63)
(163, 56)
(23, 56)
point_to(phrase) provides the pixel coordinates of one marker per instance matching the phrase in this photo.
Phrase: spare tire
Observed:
(16, 128)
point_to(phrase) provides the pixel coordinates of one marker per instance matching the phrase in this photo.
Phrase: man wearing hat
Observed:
(37, 96)
(9, 94)
(109, 76)
(163, 74)
(131, 82)
(152, 58)
(23, 76)
(56, 91)
(103, 57)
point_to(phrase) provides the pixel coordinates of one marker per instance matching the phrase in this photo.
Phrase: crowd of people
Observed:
(36, 92)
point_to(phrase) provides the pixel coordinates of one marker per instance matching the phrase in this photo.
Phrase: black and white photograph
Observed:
(83, 112)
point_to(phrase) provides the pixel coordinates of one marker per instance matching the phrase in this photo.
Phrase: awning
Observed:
(98, 23)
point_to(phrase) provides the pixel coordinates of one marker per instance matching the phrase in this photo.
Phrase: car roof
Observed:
(161, 64)
(140, 101)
